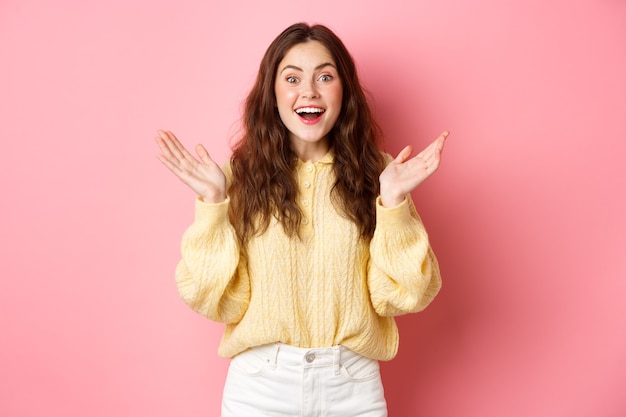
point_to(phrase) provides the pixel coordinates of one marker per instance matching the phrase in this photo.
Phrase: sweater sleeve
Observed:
(403, 273)
(211, 276)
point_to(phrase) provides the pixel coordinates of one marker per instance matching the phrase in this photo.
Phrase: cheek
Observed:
(284, 102)
(283, 94)
(337, 94)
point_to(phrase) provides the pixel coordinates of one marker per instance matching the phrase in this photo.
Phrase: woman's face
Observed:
(308, 95)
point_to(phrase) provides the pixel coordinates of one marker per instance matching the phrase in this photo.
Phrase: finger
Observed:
(174, 156)
(435, 147)
(440, 143)
(435, 160)
(168, 145)
(403, 154)
(171, 166)
(165, 147)
(428, 151)
(176, 148)
(433, 163)
(203, 154)
(441, 140)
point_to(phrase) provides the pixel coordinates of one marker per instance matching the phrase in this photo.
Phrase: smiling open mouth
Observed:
(309, 113)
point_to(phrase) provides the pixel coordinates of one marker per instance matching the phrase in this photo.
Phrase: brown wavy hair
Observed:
(263, 164)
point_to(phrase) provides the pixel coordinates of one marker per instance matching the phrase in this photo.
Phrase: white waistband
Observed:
(280, 353)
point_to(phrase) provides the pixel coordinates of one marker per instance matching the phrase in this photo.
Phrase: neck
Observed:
(311, 151)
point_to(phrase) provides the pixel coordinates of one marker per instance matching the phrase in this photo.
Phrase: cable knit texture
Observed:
(328, 287)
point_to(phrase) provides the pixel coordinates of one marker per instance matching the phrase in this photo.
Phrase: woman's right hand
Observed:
(203, 176)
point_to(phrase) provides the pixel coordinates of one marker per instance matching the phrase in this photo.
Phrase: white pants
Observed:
(281, 380)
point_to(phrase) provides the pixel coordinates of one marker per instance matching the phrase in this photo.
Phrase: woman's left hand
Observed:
(403, 175)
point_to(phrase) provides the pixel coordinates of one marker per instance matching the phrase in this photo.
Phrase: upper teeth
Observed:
(309, 110)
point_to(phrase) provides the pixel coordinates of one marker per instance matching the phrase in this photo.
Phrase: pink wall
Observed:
(526, 214)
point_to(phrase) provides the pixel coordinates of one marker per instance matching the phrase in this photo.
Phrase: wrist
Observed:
(213, 198)
(391, 201)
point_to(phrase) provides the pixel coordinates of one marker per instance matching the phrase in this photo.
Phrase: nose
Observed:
(309, 90)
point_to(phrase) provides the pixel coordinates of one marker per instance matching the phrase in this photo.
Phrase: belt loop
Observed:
(274, 355)
(336, 359)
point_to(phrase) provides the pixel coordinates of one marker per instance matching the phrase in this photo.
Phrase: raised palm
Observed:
(403, 175)
(202, 175)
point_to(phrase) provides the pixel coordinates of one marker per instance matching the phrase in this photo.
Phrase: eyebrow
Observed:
(319, 67)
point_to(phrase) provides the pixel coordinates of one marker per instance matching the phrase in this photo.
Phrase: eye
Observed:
(326, 77)
(291, 79)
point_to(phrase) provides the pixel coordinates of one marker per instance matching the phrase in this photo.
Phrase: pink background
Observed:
(526, 214)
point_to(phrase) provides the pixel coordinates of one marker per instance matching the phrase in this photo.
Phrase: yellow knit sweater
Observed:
(328, 288)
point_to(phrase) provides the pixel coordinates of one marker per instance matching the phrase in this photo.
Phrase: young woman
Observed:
(307, 243)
